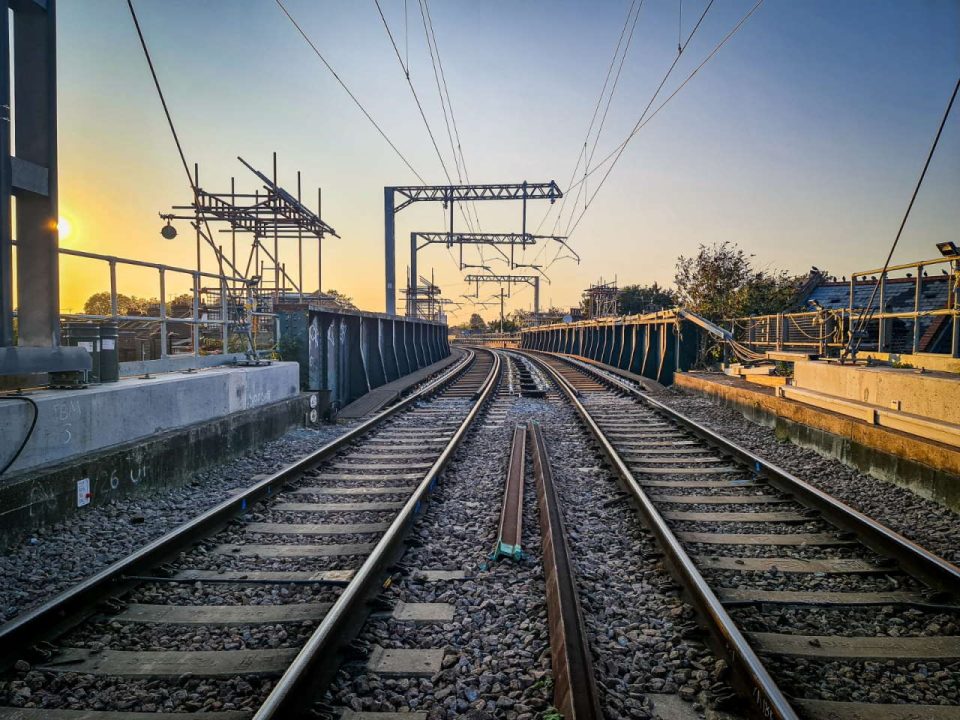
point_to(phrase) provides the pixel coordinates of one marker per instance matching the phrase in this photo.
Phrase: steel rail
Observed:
(750, 676)
(914, 559)
(78, 602)
(574, 686)
(509, 536)
(312, 668)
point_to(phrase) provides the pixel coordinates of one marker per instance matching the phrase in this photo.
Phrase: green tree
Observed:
(341, 299)
(638, 299)
(99, 304)
(721, 282)
(476, 323)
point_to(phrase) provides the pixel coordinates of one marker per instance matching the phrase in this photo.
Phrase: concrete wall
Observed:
(76, 423)
(98, 443)
(928, 468)
(351, 353)
(142, 466)
(932, 395)
(654, 346)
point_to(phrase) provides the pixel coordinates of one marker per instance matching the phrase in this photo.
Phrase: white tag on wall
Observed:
(83, 492)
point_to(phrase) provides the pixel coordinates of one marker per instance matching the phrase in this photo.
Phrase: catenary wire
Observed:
(593, 118)
(854, 341)
(618, 152)
(348, 91)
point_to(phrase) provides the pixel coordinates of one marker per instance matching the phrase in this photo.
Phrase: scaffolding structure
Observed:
(601, 299)
(425, 302)
(270, 214)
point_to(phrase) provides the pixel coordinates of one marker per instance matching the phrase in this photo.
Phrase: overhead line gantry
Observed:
(509, 280)
(449, 195)
(420, 240)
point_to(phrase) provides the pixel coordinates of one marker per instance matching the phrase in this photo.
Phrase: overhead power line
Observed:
(435, 49)
(593, 119)
(644, 119)
(349, 92)
(854, 341)
(606, 109)
(416, 98)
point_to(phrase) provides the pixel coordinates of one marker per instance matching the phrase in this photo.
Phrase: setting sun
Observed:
(64, 228)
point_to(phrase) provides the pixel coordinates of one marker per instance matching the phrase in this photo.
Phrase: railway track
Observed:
(249, 609)
(792, 584)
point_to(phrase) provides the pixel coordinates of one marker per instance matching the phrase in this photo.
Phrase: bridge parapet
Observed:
(350, 352)
(655, 345)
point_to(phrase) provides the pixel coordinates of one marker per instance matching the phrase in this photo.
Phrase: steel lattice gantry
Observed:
(420, 240)
(449, 195)
(509, 280)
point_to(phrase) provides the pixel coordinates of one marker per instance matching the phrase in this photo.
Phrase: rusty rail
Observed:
(574, 687)
(511, 516)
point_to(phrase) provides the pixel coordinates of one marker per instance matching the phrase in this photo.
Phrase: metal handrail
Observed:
(196, 318)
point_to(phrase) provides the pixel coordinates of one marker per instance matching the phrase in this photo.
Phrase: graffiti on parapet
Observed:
(62, 417)
(42, 498)
(259, 398)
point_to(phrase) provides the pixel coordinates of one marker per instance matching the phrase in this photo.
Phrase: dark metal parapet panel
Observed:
(350, 353)
(655, 345)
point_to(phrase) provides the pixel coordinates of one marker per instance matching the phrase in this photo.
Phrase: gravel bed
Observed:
(812, 582)
(497, 660)
(752, 528)
(927, 683)
(642, 635)
(924, 521)
(201, 593)
(777, 507)
(77, 691)
(886, 620)
(150, 637)
(799, 552)
(51, 559)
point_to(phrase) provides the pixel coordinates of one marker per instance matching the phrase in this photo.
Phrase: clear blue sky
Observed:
(801, 140)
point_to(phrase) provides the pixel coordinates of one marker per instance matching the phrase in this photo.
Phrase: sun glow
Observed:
(64, 228)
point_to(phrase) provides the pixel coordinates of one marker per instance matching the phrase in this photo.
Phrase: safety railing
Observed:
(222, 307)
(820, 331)
(876, 327)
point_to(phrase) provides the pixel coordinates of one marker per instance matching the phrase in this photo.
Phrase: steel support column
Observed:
(390, 250)
(35, 81)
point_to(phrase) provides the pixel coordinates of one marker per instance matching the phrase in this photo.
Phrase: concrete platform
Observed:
(93, 444)
(73, 423)
(378, 398)
(929, 468)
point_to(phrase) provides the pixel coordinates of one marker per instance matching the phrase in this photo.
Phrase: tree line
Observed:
(719, 282)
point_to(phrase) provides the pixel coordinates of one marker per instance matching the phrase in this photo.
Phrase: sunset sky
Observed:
(801, 139)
